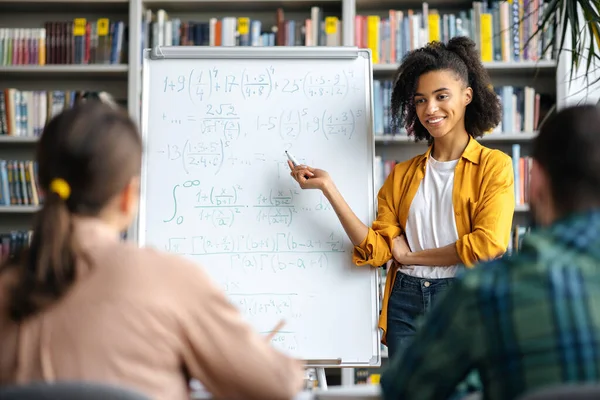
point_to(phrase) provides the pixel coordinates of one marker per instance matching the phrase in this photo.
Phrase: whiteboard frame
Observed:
(284, 52)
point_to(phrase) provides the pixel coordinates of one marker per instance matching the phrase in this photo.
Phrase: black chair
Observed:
(579, 391)
(69, 391)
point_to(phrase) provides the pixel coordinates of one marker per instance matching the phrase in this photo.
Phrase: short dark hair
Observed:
(568, 149)
(96, 149)
(461, 57)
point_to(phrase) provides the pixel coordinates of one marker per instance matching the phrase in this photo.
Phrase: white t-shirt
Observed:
(431, 222)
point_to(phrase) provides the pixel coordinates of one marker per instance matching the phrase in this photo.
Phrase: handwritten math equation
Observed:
(278, 263)
(199, 85)
(213, 121)
(220, 205)
(292, 124)
(275, 243)
(216, 137)
(266, 304)
(272, 307)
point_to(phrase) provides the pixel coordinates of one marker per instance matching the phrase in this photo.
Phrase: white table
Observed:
(357, 392)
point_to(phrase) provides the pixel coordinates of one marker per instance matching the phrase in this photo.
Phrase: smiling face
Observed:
(441, 99)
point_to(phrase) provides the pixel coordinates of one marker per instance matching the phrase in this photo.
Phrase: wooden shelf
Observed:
(71, 71)
(493, 67)
(6, 139)
(19, 209)
(493, 138)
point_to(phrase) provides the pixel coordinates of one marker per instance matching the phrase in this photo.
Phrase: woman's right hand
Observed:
(310, 178)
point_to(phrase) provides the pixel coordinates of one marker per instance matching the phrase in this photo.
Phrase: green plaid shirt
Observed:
(521, 322)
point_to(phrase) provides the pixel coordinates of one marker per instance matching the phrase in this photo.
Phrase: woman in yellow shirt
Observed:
(452, 205)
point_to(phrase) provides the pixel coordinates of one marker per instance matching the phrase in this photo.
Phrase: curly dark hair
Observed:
(484, 111)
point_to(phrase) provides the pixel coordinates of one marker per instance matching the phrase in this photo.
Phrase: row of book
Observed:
(501, 31)
(522, 108)
(65, 42)
(367, 376)
(13, 242)
(24, 113)
(19, 183)
(158, 29)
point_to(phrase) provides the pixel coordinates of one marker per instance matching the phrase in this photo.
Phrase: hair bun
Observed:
(466, 49)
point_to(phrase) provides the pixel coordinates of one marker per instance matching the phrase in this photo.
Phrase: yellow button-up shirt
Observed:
(484, 203)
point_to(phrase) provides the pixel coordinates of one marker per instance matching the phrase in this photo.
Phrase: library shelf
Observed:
(522, 208)
(496, 66)
(493, 137)
(71, 71)
(19, 209)
(62, 5)
(8, 139)
(239, 5)
(410, 4)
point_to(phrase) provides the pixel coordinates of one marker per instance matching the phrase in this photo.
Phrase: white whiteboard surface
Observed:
(216, 186)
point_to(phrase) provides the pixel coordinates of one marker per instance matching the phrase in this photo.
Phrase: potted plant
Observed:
(577, 38)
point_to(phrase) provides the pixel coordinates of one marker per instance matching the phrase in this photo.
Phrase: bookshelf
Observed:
(7, 140)
(491, 138)
(530, 66)
(61, 71)
(124, 80)
(31, 72)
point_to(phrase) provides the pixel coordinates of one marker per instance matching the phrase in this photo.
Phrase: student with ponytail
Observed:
(84, 305)
(451, 206)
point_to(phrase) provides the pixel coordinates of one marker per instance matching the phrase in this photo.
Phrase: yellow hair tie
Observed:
(61, 188)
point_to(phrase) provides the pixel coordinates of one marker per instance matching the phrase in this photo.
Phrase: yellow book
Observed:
(522, 38)
(487, 49)
(42, 47)
(243, 25)
(331, 24)
(433, 22)
(373, 36)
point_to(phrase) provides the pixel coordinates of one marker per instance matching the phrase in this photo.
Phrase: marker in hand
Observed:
(294, 162)
(291, 158)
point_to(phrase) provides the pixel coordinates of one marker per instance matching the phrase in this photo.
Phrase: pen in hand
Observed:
(294, 162)
(274, 331)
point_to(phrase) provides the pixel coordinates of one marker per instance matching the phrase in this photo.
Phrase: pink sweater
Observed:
(145, 320)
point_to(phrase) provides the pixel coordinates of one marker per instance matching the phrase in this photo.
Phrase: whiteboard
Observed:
(216, 187)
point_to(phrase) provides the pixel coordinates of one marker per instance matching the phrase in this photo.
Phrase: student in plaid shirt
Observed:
(532, 319)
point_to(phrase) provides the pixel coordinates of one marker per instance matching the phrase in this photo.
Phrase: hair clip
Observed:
(61, 188)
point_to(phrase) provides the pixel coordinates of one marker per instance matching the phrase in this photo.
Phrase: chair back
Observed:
(565, 392)
(69, 391)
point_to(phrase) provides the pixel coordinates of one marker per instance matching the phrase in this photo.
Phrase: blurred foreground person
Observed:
(532, 319)
(83, 305)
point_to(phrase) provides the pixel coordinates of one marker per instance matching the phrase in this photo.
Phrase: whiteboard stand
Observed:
(216, 118)
(312, 374)
(322, 378)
